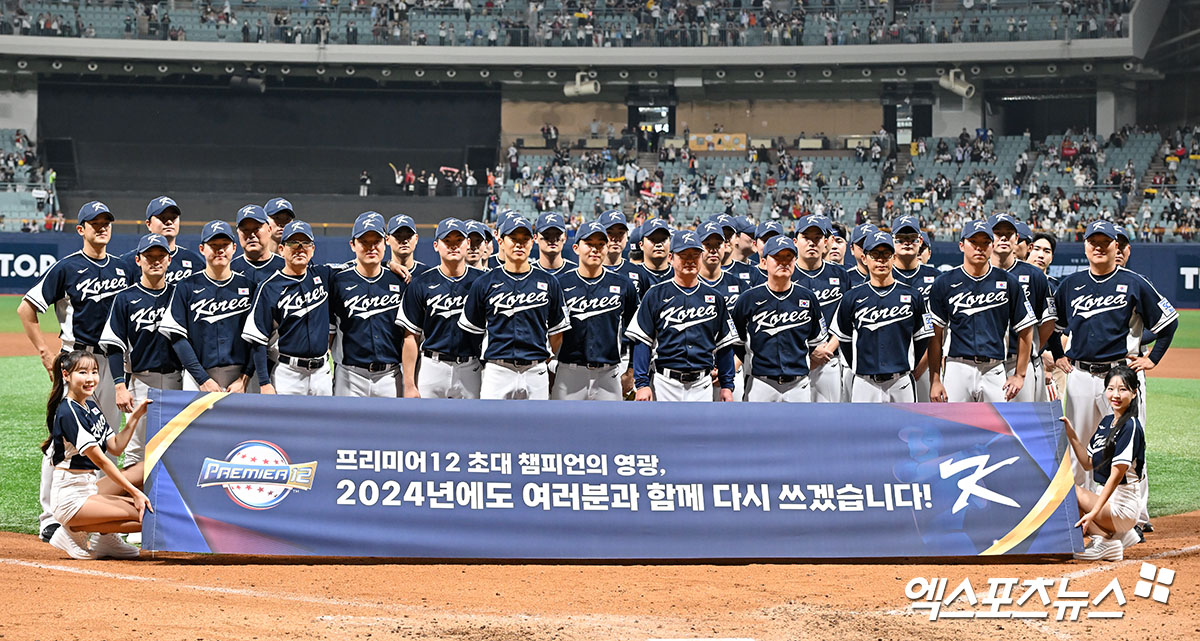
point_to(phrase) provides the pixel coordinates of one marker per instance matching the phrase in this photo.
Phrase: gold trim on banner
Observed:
(175, 427)
(1063, 482)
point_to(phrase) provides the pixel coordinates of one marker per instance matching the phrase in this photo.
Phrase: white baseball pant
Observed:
(582, 383)
(301, 381)
(826, 381)
(503, 380)
(139, 385)
(765, 390)
(1084, 405)
(441, 379)
(224, 376)
(900, 388)
(1144, 486)
(668, 389)
(351, 380)
(922, 387)
(970, 382)
(1033, 380)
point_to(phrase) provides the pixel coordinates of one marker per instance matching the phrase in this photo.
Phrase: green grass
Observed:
(1188, 334)
(9, 323)
(1174, 459)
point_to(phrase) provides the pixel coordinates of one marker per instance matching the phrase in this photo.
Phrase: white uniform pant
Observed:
(971, 382)
(507, 381)
(224, 376)
(440, 379)
(765, 390)
(1033, 381)
(1084, 405)
(581, 383)
(301, 381)
(921, 384)
(826, 381)
(901, 388)
(359, 381)
(668, 389)
(139, 385)
(1144, 486)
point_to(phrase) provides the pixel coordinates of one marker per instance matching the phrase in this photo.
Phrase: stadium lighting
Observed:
(581, 86)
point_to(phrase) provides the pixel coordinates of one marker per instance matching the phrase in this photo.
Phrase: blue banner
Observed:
(250, 474)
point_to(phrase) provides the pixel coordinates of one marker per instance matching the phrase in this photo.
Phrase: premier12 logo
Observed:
(257, 475)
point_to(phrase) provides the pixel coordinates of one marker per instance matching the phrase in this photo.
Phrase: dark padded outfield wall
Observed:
(128, 137)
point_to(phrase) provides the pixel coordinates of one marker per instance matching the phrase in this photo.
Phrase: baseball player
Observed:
(363, 302)
(601, 303)
(281, 212)
(163, 218)
(829, 283)
(1024, 240)
(686, 325)
(656, 256)
(741, 243)
(294, 303)
(712, 274)
(429, 314)
(1102, 313)
(763, 232)
(926, 253)
(743, 240)
(636, 255)
(131, 335)
(255, 233)
(858, 274)
(205, 317)
(780, 322)
(522, 314)
(1037, 293)
(908, 269)
(1124, 250)
(1041, 255)
(617, 227)
(479, 244)
(836, 249)
(973, 309)
(402, 238)
(80, 286)
(551, 232)
(885, 322)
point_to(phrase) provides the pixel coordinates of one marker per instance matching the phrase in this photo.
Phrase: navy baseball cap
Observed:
(860, 232)
(1121, 233)
(512, 224)
(399, 221)
(766, 228)
(369, 223)
(635, 235)
(684, 239)
(214, 228)
(878, 239)
(298, 227)
(277, 205)
(811, 222)
(901, 223)
(93, 210)
(154, 240)
(160, 205)
(476, 227)
(613, 217)
(1001, 219)
(589, 229)
(252, 212)
(653, 225)
(1024, 232)
(838, 230)
(777, 244)
(745, 225)
(972, 227)
(550, 220)
(1101, 227)
(926, 240)
(725, 221)
(706, 230)
(450, 225)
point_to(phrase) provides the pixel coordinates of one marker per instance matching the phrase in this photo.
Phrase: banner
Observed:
(717, 142)
(251, 474)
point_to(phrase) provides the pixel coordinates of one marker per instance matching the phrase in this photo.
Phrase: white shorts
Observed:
(1124, 506)
(70, 491)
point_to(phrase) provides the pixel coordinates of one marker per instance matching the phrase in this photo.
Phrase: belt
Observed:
(91, 349)
(373, 368)
(782, 380)
(515, 362)
(157, 370)
(975, 359)
(1095, 369)
(883, 378)
(683, 376)
(305, 363)
(589, 365)
(445, 358)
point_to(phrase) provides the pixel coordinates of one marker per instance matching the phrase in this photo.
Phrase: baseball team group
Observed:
(729, 311)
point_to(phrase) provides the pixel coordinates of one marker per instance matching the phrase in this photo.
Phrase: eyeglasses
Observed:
(298, 244)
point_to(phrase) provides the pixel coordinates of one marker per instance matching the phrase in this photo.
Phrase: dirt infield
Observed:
(13, 344)
(1180, 362)
(190, 597)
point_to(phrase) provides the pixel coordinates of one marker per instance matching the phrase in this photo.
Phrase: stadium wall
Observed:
(18, 110)
(953, 114)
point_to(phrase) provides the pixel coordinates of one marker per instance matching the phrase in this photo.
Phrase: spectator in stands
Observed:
(364, 183)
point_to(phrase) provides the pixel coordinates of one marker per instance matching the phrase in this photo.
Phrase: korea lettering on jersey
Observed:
(1037, 294)
(920, 279)
(210, 315)
(364, 310)
(884, 327)
(828, 284)
(431, 307)
(184, 263)
(85, 288)
(979, 312)
(297, 308)
(599, 310)
(729, 287)
(684, 327)
(1103, 318)
(133, 328)
(779, 329)
(76, 429)
(515, 315)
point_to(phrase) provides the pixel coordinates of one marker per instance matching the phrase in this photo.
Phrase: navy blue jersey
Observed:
(1041, 301)
(857, 277)
(81, 289)
(297, 308)
(758, 275)
(828, 283)
(729, 286)
(210, 315)
(494, 262)
(683, 327)
(1103, 317)
(600, 310)
(515, 313)
(779, 329)
(633, 272)
(744, 272)
(1053, 280)
(364, 312)
(883, 327)
(78, 428)
(258, 271)
(133, 328)
(184, 263)
(1128, 446)
(920, 279)
(979, 312)
(432, 306)
(567, 267)
(653, 277)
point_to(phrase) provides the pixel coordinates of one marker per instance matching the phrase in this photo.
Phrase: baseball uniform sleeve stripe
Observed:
(404, 321)
(635, 333)
(467, 326)
(563, 326)
(169, 326)
(937, 320)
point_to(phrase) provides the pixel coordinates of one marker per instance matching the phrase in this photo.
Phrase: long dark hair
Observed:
(1130, 379)
(69, 362)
